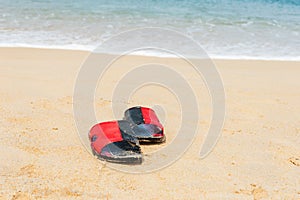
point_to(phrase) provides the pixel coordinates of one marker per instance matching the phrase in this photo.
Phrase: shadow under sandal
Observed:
(145, 125)
(113, 141)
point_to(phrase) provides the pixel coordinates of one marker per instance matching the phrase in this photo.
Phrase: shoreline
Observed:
(88, 50)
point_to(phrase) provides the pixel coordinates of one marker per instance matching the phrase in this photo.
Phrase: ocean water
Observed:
(259, 29)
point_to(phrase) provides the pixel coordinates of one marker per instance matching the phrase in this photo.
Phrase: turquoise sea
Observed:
(258, 29)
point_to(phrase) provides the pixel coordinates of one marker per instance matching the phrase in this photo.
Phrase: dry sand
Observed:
(42, 157)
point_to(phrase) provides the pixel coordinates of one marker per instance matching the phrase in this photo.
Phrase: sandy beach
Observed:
(42, 157)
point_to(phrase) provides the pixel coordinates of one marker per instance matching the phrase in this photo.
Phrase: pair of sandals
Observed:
(118, 141)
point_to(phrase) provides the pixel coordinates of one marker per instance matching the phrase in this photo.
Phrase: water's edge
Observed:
(145, 54)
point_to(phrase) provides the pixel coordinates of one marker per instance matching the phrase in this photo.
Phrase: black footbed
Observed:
(121, 152)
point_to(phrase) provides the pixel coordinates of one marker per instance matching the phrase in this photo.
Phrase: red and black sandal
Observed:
(113, 141)
(145, 124)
